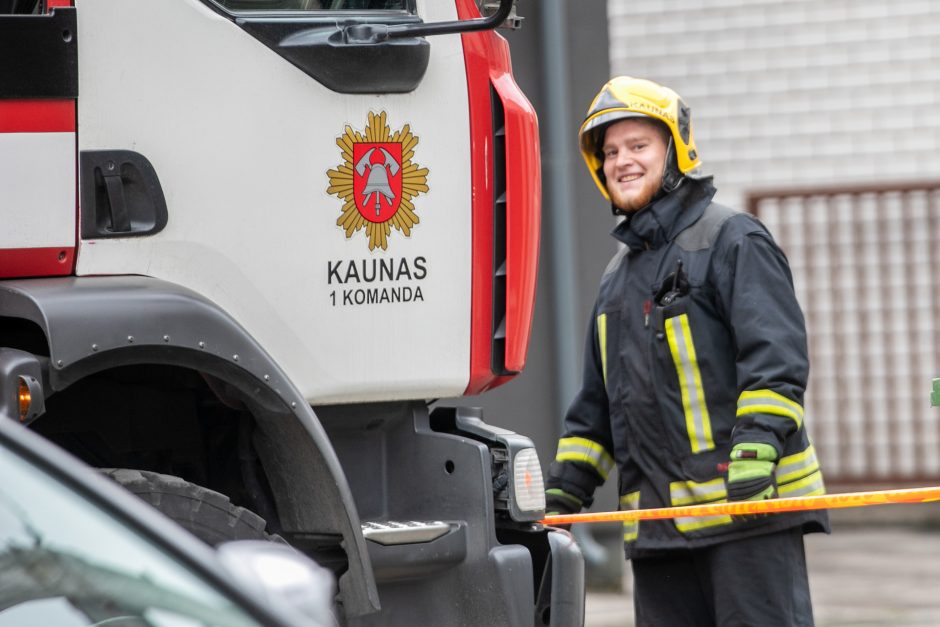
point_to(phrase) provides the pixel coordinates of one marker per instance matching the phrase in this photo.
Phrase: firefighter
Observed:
(695, 367)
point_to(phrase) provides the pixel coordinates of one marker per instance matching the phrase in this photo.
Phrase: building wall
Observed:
(791, 92)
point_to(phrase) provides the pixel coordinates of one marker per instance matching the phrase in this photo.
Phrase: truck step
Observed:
(391, 532)
(414, 549)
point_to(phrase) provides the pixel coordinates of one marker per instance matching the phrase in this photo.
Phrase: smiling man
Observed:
(694, 374)
(634, 155)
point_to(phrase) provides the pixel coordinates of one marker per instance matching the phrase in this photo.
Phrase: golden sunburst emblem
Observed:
(377, 181)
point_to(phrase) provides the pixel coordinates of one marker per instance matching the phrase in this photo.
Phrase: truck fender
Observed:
(96, 323)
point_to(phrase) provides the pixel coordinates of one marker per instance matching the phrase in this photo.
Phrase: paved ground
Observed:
(859, 577)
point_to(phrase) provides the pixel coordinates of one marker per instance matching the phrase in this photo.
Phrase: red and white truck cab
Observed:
(247, 243)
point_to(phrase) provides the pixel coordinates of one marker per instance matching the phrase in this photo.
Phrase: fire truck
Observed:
(247, 244)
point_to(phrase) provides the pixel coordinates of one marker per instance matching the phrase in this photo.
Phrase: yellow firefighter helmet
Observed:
(626, 97)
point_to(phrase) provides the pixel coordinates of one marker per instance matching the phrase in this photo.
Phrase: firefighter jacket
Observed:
(696, 343)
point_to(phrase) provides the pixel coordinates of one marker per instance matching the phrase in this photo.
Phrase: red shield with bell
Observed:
(377, 179)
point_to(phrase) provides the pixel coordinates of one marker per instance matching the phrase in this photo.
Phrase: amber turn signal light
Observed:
(25, 398)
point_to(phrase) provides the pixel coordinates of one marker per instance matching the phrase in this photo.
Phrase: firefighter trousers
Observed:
(758, 581)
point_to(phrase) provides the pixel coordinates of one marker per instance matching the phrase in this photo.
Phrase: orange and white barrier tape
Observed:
(745, 508)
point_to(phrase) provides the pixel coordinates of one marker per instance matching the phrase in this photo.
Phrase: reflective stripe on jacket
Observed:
(696, 343)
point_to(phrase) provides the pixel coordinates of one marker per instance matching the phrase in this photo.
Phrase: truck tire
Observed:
(208, 515)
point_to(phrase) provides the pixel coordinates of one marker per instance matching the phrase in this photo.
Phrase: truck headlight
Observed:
(528, 489)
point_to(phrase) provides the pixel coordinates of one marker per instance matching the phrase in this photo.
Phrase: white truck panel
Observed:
(37, 190)
(251, 225)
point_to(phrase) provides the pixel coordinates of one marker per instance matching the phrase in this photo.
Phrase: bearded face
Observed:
(634, 157)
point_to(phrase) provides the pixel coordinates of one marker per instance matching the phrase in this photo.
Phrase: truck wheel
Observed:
(208, 515)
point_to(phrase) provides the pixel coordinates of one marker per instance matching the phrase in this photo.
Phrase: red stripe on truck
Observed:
(486, 55)
(37, 116)
(29, 262)
(524, 218)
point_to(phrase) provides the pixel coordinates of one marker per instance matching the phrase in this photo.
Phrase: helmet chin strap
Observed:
(672, 177)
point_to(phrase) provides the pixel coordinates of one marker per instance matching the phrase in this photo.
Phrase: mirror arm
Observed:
(377, 33)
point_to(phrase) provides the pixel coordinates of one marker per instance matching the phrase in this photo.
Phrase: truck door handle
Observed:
(121, 195)
(120, 223)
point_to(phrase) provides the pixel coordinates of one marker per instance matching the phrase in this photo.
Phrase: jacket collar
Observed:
(663, 219)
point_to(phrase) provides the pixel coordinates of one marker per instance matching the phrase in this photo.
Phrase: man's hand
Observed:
(751, 472)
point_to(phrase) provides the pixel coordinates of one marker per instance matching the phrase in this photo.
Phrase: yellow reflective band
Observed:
(697, 421)
(630, 500)
(573, 500)
(631, 529)
(587, 452)
(602, 339)
(697, 523)
(792, 467)
(693, 493)
(811, 485)
(769, 402)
